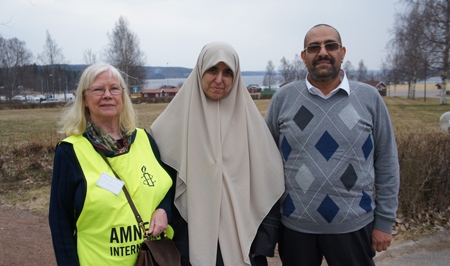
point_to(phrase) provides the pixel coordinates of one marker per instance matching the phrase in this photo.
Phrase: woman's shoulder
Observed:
(64, 152)
(64, 145)
(150, 138)
(145, 132)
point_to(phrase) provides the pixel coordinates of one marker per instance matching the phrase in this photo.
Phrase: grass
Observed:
(36, 200)
(22, 125)
(415, 115)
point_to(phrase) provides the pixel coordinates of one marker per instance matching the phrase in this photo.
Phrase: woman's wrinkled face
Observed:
(217, 81)
(104, 98)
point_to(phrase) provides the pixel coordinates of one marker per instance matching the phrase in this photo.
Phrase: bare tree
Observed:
(270, 78)
(14, 56)
(423, 32)
(2, 43)
(412, 48)
(89, 57)
(2, 70)
(398, 71)
(123, 52)
(6, 23)
(287, 70)
(361, 73)
(52, 54)
(349, 70)
(299, 68)
(51, 57)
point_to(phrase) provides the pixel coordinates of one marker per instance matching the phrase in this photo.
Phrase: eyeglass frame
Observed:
(120, 89)
(306, 49)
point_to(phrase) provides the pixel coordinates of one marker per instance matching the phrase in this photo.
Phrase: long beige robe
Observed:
(230, 171)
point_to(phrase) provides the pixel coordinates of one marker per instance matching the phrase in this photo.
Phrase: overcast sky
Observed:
(172, 32)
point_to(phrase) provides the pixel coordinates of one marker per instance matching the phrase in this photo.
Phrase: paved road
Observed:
(439, 256)
(433, 250)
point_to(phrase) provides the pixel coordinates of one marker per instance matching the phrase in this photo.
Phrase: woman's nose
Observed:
(218, 78)
(107, 93)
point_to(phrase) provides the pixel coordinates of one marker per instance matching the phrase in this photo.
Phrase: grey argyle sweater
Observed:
(337, 152)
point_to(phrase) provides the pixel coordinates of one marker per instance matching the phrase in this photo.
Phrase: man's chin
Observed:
(323, 73)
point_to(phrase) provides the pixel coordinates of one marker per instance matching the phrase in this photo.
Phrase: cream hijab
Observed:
(230, 172)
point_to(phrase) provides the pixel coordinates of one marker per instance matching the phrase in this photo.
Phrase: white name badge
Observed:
(110, 183)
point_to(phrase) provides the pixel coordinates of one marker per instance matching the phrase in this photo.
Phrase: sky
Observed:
(173, 32)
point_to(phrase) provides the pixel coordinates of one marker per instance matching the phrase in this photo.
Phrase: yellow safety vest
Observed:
(107, 231)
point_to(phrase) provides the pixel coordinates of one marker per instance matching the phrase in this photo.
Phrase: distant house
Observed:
(379, 85)
(165, 91)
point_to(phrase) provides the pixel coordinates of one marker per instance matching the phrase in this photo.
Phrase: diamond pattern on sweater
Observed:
(288, 205)
(326, 145)
(349, 116)
(285, 149)
(303, 117)
(349, 177)
(304, 178)
(367, 147)
(328, 209)
(365, 202)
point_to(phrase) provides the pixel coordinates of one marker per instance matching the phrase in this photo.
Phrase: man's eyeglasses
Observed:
(101, 91)
(315, 48)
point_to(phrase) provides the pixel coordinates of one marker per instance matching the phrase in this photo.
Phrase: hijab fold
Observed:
(230, 172)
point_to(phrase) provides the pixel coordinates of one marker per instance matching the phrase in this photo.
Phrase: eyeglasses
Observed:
(315, 48)
(101, 91)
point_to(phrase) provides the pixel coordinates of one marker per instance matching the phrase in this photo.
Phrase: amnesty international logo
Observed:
(147, 178)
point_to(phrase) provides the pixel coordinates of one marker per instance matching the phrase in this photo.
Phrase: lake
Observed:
(157, 83)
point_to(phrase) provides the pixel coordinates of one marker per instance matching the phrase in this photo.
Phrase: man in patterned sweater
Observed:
(340, 161)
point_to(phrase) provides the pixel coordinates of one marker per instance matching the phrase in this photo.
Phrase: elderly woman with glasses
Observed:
(90, 218)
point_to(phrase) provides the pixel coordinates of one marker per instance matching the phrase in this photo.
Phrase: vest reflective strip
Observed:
(107, 230)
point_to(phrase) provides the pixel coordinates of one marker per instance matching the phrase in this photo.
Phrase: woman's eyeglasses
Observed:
(101, 91)
(315, 48)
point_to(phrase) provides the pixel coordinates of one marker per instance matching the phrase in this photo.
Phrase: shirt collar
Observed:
(343, 86)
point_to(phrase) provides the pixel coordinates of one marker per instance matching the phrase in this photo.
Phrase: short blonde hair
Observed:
(74, 115)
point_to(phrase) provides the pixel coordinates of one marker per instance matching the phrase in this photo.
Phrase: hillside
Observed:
(160, 72)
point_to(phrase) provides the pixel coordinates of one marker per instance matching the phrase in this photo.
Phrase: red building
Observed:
(160, 93)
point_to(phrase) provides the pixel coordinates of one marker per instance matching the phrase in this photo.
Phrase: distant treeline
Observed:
(159, 72)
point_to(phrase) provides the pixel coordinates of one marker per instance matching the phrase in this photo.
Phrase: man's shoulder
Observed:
(291, 87)
(354, 84)
(361, 87)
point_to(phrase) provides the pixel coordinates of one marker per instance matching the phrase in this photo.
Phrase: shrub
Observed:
(25, 167)
(424, 159)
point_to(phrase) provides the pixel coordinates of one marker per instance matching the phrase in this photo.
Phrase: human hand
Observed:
(380, 240)
(158, 222)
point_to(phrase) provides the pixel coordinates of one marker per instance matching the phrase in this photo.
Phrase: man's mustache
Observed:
(326, 58)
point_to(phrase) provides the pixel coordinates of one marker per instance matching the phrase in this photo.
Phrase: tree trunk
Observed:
(443, 100)
(409, 89)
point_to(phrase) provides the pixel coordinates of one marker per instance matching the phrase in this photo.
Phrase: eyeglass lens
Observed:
(101, 91)
(315, 48)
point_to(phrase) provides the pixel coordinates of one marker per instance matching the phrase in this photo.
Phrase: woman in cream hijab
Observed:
(230, 172)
